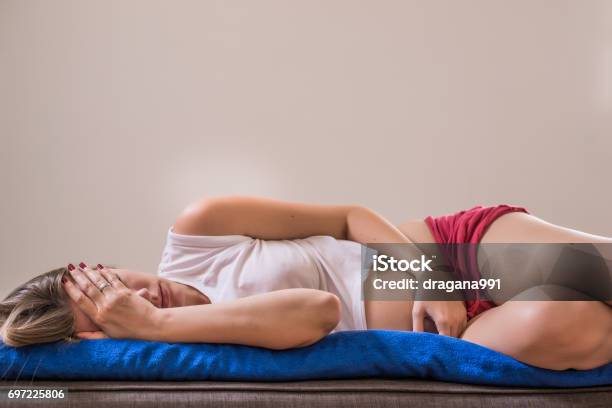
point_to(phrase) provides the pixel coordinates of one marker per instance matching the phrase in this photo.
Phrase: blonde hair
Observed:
(37, 312)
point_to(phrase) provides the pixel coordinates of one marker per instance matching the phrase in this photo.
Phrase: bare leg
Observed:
(549, 334)
(525, 228)
(520, 228)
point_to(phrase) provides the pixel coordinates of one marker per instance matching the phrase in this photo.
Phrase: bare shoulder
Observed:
(191, 218)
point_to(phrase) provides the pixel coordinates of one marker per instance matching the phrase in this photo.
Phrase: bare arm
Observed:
(270, 219)
(277, 320)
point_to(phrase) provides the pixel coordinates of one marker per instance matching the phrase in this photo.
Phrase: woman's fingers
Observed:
(449, 326)
(418, 315)
(459, 328)
(86, 285)
(443, 327)
(81, 299)
(448, 316)
(99, 280)
(112, 278)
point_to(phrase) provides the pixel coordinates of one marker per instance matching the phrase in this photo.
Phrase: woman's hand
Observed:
(449, 316)
(119, 311)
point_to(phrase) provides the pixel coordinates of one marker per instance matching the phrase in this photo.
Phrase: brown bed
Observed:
(326, 393)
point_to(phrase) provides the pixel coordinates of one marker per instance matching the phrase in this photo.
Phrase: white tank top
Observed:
(228, 267)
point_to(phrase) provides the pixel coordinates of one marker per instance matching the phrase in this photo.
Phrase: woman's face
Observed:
(162, 293)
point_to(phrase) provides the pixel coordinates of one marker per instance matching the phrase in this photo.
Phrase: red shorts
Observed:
(467, 227)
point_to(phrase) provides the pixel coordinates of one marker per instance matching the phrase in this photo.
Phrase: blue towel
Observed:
(354, 354)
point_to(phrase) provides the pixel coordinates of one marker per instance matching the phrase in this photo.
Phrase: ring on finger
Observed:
(103, 286)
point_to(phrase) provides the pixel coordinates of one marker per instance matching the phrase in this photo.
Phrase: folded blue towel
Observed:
(373, 353)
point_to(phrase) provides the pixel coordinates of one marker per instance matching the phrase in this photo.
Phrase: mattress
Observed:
(344, 355)
(349, 369)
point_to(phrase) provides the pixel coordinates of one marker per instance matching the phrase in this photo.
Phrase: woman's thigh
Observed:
(550, 334)
(518, 227)
(515, 227)
(524, 265)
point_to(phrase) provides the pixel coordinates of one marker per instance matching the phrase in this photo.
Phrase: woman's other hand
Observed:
(119, 311)
(449, 317)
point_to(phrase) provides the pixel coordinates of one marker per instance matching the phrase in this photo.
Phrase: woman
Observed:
(275, 274)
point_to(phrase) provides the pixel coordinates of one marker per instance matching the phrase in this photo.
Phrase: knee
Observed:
(566, 331)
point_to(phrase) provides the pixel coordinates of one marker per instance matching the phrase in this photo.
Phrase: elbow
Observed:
(330, 312)
(356, 218)
(315, 313)
(327, 314)
(324, 310)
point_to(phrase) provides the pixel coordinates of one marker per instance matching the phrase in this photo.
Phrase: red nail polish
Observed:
(82, 265)
(71, 267)
(99, 266)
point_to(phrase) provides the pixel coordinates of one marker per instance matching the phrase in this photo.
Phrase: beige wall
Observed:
(116, 114)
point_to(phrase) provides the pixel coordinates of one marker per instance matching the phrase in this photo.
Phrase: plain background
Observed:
(114, 115)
